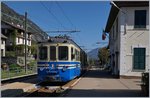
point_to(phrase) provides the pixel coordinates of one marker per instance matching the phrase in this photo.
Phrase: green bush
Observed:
(32, 63)
(14, 67)
(10, 53)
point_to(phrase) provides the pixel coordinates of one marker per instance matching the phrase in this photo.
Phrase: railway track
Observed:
(52, 89)
(30, 87)
(49, 89)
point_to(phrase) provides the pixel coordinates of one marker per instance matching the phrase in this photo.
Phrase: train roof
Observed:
(58, 39)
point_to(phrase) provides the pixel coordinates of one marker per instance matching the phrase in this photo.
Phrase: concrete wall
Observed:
(128, 38)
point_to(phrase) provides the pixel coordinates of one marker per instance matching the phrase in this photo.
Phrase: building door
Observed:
(139, 59)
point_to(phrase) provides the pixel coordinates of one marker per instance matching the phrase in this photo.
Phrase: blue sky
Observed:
(90, 17)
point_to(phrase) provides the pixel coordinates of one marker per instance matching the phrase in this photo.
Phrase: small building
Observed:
(15, 38)
(129, 38)
(3, 41)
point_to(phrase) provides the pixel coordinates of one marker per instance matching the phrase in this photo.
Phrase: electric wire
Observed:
(50, 12)
(65, 14)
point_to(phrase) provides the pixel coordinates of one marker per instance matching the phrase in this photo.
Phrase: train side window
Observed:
(72, 54)
(43, 53)
(52, 53)
(63, 53)
(77, 55)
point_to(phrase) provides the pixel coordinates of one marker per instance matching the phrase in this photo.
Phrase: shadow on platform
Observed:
(11, 92)
(99, 74)
(104, 93)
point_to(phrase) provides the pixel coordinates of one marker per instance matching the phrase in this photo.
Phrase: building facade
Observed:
(129, 38)
(16, 38)
(3, 41)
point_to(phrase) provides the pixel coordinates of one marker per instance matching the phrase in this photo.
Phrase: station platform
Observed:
(98, 83)
(16, 88)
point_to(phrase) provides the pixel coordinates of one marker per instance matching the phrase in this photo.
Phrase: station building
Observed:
(129, 37)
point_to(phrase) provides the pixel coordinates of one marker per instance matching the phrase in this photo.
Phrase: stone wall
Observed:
(15, 60)
(9, 60)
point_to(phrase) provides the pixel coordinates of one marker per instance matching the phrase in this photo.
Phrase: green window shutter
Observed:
(139, 58)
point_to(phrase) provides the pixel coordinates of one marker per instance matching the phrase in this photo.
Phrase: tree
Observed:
(34, 47)
(14, 34)
(91, 61)
(103, 54)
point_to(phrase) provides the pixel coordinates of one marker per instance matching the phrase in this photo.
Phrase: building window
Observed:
(117, 28)
(140, 19)
(139, 59)
(2, 52)
(2, 41)
(52, 53)
(23, 41)
(28, 42)
(113, 32)
(18, 40)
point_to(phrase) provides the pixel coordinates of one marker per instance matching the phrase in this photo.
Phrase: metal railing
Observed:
(17, 72)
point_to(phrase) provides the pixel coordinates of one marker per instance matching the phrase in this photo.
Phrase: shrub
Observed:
(10, 54)
(31, 63)
(14, 67)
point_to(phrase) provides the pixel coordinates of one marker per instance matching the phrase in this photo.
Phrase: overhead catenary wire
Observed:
(65, 14)
(50, 12)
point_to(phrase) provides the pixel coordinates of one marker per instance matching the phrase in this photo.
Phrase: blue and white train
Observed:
(60, 59)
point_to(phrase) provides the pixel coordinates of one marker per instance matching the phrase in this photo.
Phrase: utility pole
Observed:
(25, 31)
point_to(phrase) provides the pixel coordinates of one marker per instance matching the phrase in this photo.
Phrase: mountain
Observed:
(10, 16)
(93, 54)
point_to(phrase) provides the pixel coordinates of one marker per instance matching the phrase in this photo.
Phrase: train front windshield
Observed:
(61, 53)
(52, 53)
(43, 53)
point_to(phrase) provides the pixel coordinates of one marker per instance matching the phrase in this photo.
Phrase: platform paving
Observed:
(16, 88)
(98, 83)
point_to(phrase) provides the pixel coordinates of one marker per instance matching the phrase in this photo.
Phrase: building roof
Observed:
(2, 36)
(14, 26)
(114, 10)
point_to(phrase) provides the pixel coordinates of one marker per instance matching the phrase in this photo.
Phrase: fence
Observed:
(14, 72)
